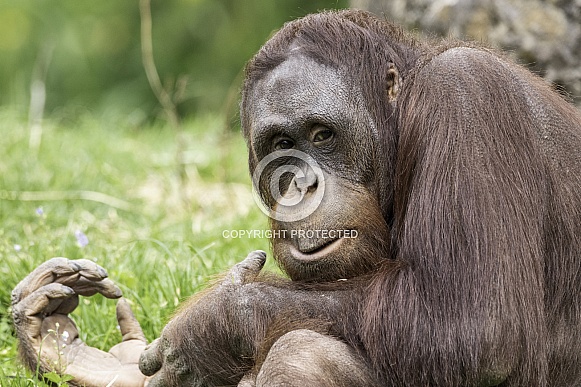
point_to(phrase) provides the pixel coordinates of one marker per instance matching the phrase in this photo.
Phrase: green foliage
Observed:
(158, 251)
(93, 51)
(59, 380)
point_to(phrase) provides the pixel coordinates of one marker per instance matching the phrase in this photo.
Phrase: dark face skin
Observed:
(305, 106)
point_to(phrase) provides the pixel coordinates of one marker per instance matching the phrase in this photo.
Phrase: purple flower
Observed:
(39, 211)
(82, 239)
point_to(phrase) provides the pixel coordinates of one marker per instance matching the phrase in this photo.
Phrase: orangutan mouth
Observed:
(315, 250)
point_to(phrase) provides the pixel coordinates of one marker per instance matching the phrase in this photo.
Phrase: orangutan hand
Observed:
(49, 339)
(172, 360)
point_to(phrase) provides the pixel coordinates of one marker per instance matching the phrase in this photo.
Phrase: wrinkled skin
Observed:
(299, 101)
(461, 174)
(41, 304)
(43, 300)
(243, 303)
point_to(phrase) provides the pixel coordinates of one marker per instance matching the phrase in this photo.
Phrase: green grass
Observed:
(157, 248)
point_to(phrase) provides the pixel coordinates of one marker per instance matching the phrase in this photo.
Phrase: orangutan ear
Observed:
(393, 83)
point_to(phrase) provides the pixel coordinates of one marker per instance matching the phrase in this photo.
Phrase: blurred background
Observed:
(88, 55)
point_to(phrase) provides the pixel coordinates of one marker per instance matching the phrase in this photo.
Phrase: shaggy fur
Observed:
(462, 172)
(480, 169)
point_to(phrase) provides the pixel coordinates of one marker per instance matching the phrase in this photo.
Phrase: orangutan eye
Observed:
(322, 135)
(284, 143)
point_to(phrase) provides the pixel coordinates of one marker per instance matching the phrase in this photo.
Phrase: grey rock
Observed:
(544, 35)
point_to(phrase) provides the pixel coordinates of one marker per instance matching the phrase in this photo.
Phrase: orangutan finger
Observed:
(26, 313)
(67, 305)
(88, 288)
(130, 328)
(90, 270)
(151, 359)
(247, 270)
(44, 274)
(44, 299)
